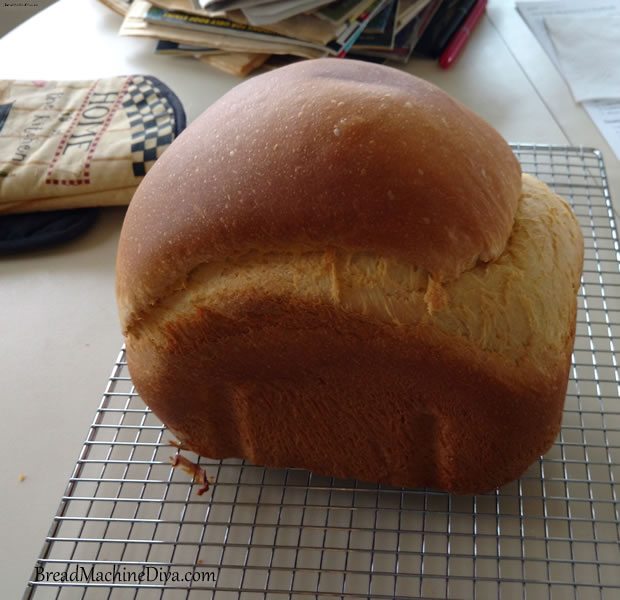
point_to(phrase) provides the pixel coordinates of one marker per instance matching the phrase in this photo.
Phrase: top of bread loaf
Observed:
(324, 153)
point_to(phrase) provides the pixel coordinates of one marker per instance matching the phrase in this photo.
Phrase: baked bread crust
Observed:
(263, 321)
(322, 152)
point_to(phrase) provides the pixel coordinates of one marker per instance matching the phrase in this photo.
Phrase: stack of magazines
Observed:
(238, 36)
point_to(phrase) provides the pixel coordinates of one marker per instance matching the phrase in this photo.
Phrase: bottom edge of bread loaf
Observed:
(310, 387)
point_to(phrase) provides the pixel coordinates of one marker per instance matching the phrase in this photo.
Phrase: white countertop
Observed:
(60, 333)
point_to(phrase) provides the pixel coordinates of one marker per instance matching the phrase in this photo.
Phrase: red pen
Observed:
(458, 41)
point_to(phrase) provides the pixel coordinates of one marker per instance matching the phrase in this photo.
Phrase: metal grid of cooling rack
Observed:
(264, 533)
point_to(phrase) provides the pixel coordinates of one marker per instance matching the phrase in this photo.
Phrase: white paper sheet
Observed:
(604, 113)
(589, 53)
(606, 116)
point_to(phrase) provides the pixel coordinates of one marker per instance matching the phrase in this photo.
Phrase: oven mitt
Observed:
(75, 144)
(34, 231)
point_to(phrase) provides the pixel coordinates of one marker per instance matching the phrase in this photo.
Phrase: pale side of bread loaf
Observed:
(332, 361)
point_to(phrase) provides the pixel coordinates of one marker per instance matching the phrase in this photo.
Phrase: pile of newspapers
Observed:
(238, 36)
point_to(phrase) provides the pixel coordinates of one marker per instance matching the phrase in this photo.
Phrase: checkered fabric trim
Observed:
(152, 122)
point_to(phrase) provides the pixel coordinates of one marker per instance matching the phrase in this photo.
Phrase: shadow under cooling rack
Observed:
(265, 533)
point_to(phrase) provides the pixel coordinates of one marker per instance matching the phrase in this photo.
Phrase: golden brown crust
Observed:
(324, 152)
(309, 318)
(295, 361)
(287, 384)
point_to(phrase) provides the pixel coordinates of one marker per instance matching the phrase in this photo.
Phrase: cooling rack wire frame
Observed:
(288, 534)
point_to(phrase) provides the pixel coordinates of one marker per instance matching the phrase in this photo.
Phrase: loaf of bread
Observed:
(340, 268)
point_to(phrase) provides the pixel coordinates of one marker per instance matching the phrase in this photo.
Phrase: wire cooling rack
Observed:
(288, 534)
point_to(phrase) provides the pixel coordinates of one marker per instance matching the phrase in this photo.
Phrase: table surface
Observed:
(60, 332)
